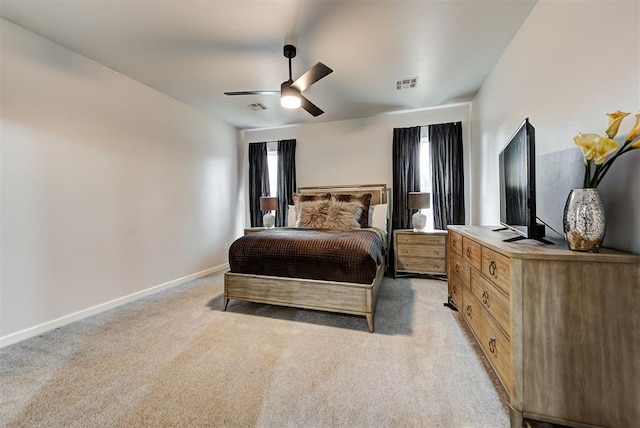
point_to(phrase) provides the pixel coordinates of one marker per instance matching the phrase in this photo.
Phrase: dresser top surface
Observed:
(532, 249)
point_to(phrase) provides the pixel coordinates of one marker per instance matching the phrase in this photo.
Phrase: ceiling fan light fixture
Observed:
(290, 101)
(289, 97)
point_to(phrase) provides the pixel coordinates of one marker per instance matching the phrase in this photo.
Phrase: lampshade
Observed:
(268, 203)
(419, 200)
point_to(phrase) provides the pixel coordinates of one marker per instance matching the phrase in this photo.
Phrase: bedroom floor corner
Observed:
(175, 359)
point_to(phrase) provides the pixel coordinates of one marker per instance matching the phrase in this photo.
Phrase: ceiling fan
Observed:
(290, 91)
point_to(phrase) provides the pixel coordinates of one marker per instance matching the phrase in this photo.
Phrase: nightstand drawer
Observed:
(421, 251)
(420, 264)
(418, 238)
(249, 230)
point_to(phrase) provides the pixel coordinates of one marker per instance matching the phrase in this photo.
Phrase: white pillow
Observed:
(378, 217)
(291, 216)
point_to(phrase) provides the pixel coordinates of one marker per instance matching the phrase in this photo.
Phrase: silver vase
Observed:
(584, 220)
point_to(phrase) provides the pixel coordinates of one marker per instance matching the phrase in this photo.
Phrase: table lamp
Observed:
(268, 203)
(418, 201)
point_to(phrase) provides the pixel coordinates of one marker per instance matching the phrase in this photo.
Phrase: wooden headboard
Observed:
(379, 192)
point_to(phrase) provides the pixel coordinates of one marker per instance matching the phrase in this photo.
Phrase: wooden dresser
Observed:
(420, 252)
(560, 328)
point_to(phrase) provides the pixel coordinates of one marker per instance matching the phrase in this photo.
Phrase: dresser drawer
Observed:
(494, 301)
(497, 268)
(472, 252)
(455, 291)
(455, 242)
(460, 268)
(420, 264)
(497, 348)
(471, 311)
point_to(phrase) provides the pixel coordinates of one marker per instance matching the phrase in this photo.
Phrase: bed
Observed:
(296, 279)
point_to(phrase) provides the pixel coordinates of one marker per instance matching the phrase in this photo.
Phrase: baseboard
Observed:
(67, 319)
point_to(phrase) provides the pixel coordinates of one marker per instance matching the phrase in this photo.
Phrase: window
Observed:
(425, 178)
(272, 161)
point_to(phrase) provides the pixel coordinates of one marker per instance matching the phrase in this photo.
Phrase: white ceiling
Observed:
(195, 50)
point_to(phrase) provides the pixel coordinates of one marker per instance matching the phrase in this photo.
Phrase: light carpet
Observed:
(174, 359)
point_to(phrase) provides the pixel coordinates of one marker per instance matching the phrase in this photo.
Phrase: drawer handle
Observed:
(493, 269)
(469, 310)
(454, 288)
(457, 268)
(492, 345)
(485, 298)
(455, 242)
(469, 252)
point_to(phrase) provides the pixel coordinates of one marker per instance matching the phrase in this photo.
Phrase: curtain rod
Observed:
(445, 123)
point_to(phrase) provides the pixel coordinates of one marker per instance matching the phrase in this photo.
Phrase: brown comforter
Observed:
(322, 254)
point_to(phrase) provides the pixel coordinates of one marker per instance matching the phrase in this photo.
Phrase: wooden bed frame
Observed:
(331, 296)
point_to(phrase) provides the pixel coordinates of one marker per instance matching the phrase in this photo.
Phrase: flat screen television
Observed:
(517, 172)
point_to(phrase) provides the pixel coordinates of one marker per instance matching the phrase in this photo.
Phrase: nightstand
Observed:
(420, 252)
(249, 230)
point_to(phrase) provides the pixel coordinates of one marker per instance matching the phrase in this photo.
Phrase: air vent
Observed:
(257, 106)
(410, 82)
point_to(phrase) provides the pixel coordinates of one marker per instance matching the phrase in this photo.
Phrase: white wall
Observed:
(109, 188)
(570, 64)
(357, 151)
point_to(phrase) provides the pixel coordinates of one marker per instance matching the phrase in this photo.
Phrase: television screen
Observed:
(517, 185)
(514, 179)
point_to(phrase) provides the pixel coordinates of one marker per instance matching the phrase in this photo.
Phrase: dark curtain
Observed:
(258, 180)
(286, 179)
(406, 174)
(447, 174)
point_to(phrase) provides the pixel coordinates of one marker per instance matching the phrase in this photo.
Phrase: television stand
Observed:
(518, 238)
(537, 231)
(499, 229)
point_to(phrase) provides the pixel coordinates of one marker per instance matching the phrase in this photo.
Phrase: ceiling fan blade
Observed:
(251, 92)
(310, 107)
(311, 76)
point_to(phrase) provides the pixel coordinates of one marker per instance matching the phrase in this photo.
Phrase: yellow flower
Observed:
(614, 122)
(635, 133)
(586, 142)
(596, 148)
(604, 147)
